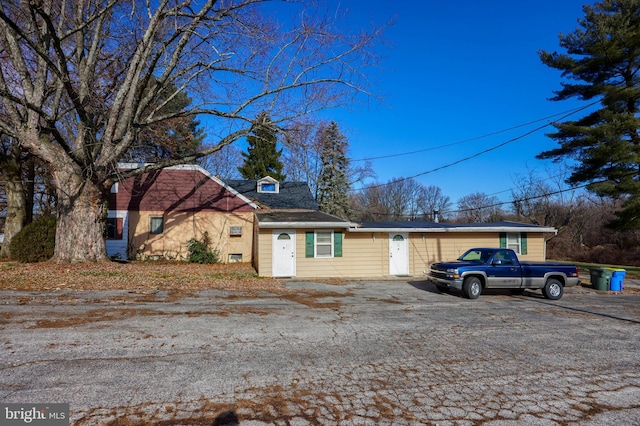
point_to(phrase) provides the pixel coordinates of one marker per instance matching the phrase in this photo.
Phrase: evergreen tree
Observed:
(171, 138)
(603, 57)
(262, 157)
(333, 185)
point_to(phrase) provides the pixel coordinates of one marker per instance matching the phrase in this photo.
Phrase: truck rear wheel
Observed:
(553, 289)
(472, 287)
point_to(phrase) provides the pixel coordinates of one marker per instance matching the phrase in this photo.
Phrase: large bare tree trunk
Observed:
(79, 231)
(16, 204)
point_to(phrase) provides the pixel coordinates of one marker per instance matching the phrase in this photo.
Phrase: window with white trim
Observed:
(324, 244)
(267, 187)
(513, 241)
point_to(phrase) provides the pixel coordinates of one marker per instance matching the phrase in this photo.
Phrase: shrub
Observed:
(199, 251)
(35, 242)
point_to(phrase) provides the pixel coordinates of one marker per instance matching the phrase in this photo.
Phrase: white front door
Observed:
(284, 254)
(398, 254)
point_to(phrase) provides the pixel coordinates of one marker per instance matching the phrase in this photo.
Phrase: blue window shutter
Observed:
(309, 251)
(503, 240)
(523, 243)
(337, 244)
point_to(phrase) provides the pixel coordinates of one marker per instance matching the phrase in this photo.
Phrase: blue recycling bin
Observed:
(617, 280)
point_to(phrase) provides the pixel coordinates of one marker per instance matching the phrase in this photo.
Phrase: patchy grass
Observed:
(159, 275)
(632, 271)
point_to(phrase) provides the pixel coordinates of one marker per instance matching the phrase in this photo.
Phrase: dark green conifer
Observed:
(262, 157)
(602, 63)
(333, 185)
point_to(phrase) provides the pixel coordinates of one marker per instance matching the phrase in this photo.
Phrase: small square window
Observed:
(235, 258)
(114, 228)
(156, 225)
(235, 231)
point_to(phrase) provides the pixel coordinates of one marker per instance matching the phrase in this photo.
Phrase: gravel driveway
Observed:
(355, 353)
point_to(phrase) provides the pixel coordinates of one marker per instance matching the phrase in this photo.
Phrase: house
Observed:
(319, 245)
(155, 215)
(277, 227)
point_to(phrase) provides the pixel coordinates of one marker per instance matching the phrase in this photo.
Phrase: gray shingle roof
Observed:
(292, 195)
(300, 219)
(421, 226)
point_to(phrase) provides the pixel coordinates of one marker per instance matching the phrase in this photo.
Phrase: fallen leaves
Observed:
(134, 276)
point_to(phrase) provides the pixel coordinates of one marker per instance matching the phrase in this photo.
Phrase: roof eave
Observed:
(317, 225)
(459, 229)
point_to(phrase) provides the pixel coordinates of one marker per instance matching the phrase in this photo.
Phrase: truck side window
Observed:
(505, 257)
(508, 258)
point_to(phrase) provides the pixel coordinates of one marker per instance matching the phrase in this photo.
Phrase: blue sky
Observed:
(454, 71)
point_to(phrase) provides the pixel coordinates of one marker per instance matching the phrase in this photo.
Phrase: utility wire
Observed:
(475, 138)
(493, 148)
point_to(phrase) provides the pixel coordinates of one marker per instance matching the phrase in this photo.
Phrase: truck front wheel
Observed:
(472, 287)
(553, 289)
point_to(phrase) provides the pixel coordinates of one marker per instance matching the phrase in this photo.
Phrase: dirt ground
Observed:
(159, 275)
(174, 277)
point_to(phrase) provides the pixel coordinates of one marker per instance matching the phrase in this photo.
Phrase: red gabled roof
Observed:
(181, 188)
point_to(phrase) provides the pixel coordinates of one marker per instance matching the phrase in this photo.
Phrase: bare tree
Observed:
(479, 208)
(398, 199)
(546, 202)
(80, 80)
(302, 152)
(303, 143)
(224, 162)
(367, 204)
(433, 203)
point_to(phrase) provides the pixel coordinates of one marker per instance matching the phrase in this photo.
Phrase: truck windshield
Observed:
(477, 256)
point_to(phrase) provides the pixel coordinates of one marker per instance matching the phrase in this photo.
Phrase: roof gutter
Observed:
(457, 229)
(317, 225)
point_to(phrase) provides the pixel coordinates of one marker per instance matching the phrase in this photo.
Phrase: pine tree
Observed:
(603, 56)
(333, 185)
(172, 138)
(262, 157)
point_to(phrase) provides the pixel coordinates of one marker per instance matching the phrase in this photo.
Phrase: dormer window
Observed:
(268, 185)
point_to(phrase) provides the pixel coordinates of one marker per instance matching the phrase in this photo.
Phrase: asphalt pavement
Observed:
(358, 353)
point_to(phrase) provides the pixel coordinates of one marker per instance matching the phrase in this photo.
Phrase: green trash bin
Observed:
(600, 278)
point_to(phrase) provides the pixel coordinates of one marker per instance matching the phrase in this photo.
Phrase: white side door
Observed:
(284, 254)
(398, 254)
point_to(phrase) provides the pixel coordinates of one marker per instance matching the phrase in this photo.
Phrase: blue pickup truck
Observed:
(481, 268)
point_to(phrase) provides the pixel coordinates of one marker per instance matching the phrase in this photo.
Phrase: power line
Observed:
(493, 148)
(567, 112)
